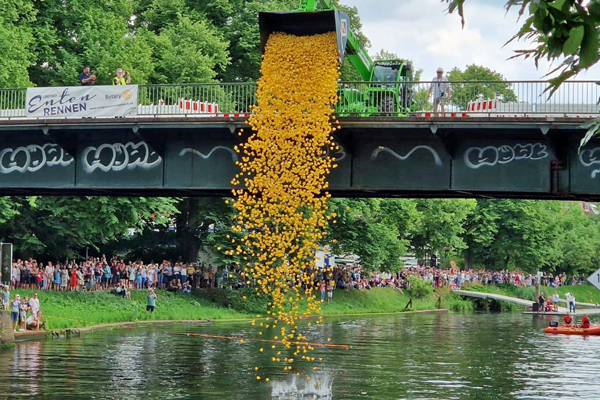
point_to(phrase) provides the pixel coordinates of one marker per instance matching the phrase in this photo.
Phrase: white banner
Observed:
(82, 101)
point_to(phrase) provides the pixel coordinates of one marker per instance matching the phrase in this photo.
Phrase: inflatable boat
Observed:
(573, 330)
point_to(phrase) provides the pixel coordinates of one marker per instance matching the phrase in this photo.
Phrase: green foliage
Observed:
(16, 42)
(463, 93)
(441, 226)
(509, 234)
(62, 227)
(373, 229)
(205, 224)
(418, 288)
(8, 209)
(77, 309)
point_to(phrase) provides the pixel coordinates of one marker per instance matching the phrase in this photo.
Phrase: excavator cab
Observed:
(386, 71)
(305, 23)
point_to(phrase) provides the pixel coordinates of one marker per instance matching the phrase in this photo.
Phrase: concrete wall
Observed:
(6, 330)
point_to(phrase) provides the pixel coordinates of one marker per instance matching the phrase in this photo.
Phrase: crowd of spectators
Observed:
(102, 273)
(351, 276)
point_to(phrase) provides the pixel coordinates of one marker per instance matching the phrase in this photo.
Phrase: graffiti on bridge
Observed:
(234, 155)
(32, 158)
(477, 157)
(381, 149)
(589, 158)
(118, 156)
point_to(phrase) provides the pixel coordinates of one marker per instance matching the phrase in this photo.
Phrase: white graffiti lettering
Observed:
(590, 157)
(118, 156)
(32, 158)
(337, 155)
(477, 157)
(380, 149)
(234, 156)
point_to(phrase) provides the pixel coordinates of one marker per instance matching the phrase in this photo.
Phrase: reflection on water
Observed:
(467, 357)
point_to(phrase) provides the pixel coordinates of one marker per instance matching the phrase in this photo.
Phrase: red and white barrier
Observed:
(482, 105)
(200, 107)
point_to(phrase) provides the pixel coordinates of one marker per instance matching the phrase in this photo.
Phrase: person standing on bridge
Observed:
(571, 300)
(441, 90)
(555, 298)
(542, 302)
(86, 78)
(122, 78)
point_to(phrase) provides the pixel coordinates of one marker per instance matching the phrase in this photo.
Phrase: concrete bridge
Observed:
(380, 156)
(581, 308)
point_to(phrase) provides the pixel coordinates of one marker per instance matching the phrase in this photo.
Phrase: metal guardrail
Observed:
(465, 98)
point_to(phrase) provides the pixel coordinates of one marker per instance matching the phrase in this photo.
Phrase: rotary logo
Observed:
(126, 94)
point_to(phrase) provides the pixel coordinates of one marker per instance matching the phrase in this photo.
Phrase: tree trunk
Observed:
(468, 259)
(188, 243)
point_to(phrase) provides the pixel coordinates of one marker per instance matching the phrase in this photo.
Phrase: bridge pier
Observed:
(6, 330)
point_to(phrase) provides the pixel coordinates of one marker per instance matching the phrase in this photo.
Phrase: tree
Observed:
(374, 229)
(578, 241)
(204, 223)
(188, 51)
(441, 226)
(463, 93)
(561, 30)
(61, 227)
(8, 209)
(77, 33)
(513, 234)
(16, 41)
(237, 21)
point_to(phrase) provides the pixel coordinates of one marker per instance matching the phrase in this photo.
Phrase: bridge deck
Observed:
(527, 303)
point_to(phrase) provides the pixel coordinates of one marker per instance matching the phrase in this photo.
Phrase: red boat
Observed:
(573, 330)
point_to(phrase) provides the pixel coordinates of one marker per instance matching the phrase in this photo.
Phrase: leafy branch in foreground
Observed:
(561, 30)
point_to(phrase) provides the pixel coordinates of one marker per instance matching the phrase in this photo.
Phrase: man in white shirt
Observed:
(34, 304)
(441, 90)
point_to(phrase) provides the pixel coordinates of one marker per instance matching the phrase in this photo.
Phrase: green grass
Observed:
(76, 309)
(376, 300)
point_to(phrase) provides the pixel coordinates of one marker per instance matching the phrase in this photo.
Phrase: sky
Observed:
(423, 31)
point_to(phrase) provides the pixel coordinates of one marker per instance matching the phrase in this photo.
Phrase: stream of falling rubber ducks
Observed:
(282, 208)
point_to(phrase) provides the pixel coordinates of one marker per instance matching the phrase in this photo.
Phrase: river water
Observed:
(426, 356)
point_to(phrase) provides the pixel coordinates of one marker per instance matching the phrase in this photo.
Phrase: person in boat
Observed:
(585, 322)
(568, 320)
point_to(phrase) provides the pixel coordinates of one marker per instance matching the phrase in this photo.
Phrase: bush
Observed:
(419, 289)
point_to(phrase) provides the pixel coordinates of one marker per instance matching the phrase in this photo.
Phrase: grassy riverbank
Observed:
(75, 309)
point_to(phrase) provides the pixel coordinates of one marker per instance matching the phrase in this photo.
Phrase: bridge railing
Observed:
(469, 98)
(196, 99)
(464, 98)
(12, 103)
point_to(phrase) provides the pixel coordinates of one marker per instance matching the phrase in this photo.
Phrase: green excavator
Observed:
(384, 90)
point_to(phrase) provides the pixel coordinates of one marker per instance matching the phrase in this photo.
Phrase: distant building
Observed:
(589, 208)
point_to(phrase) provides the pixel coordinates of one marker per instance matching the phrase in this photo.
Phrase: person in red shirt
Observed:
(568, 320)
(585, 322)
